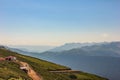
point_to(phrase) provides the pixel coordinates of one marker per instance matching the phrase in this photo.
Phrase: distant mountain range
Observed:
(87, 49)
(32, 48)
(69, 46)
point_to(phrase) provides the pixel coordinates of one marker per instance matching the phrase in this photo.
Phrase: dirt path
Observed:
(31, 73)
(65, 71)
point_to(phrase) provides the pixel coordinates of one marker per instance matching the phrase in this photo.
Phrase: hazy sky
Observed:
(55, 22)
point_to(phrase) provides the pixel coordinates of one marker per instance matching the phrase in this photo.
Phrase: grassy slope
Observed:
(10, 69)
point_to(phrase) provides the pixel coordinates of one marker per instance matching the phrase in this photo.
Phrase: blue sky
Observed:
(55, 22)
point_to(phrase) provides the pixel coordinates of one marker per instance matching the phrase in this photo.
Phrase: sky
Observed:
(55, 22)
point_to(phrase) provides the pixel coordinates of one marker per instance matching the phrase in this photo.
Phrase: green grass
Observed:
(9, 70)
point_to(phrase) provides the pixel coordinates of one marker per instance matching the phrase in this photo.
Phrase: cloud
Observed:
(105, 35)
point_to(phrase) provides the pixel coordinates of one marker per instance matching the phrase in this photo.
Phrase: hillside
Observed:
(9, 70)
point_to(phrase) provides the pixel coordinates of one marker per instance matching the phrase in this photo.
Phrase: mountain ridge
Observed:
(69, 46)
(100, 49)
